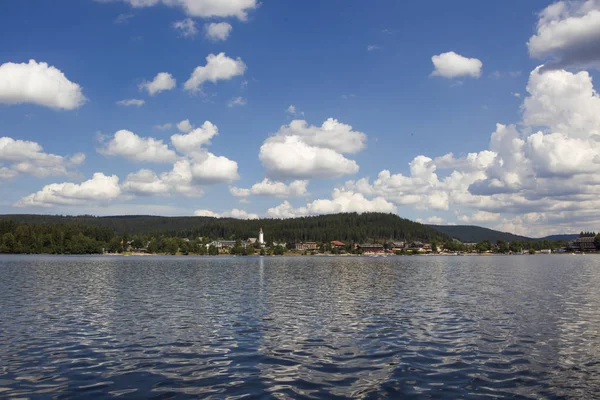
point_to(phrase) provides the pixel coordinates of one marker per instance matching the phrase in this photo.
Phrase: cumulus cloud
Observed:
(186, 27)
(190, 143)
(162, 81)
(144, 183)
(480, 216)
(127, 144)
(203, 8)
(435, 220)
(23, 157)
(101, 189)
(341, 201)
(38, 83)
(194, 166)
(217, 30)
(568, 34)
(235, 213)
(218, 67)
(272, 188)
(451, 65)
(302, 151)
(538, 178)
(131, 102)
(185, 126)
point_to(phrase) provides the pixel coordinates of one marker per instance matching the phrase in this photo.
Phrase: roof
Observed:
(337, 243)
(371, 245)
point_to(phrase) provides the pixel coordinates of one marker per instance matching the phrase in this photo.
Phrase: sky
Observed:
(467, 112)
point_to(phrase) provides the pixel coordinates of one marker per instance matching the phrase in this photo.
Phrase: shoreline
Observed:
(299, 255)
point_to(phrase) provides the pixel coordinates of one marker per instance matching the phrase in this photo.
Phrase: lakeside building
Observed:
(398, 246)
(224, 244)
(337, 243)
(371, 248)
(585, 243)
(303, 246)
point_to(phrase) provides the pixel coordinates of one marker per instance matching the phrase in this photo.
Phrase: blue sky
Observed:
(367, 65)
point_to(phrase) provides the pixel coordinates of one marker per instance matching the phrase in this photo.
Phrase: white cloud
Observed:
(194, 166)
(541, 178)
(237, 101)
(479, 216)
(144, 183)
(203, 8)
(28, 158)
(38, 83)
(185, 126)
(272, 188)
(191, 143)
(290, 157)
(341, 201)
(517, 95)
(435, 220)
(373, 47)
(285, 210)
(294, 111)
(215, 169)
(568, 33)
(235, 213)
(164, 127)
(162, 81)
(562, 101)
(135, 148)
(131, 102)
(101, 189)
(452, 65)
(218, 67)
(300, 151)
(217, 30)
(187, 27)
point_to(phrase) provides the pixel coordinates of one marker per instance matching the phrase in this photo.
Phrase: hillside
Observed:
(567, 237)
(474, 234)
(323, 228)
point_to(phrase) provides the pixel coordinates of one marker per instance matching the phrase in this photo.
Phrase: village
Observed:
(259, 246)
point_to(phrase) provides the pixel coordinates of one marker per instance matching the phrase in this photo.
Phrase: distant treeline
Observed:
(89, 234)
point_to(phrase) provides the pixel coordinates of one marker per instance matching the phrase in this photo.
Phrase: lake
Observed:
(300, 327)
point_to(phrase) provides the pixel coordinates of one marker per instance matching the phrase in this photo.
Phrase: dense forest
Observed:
(323, 228)
(474, 234)
(89, 234)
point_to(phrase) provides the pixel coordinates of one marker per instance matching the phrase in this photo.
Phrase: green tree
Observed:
(278, 251)
(502, 246)
(171, 246)
(9, 243)
(213, 251)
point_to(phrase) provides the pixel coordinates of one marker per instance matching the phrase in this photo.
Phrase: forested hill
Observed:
(323, 228)
(474, 234)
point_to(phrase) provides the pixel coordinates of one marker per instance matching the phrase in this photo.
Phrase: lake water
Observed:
(306, 327)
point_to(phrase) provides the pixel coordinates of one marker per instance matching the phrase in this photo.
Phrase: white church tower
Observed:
(261, 237)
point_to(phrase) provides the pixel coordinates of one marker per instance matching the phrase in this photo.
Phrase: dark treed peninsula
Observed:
(56, 234)
(25, 233)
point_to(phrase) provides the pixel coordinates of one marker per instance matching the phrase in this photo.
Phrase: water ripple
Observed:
(182, 327)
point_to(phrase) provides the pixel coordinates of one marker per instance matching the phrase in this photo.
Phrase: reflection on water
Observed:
(300, 327)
